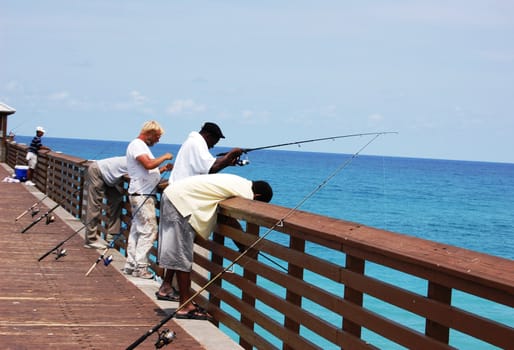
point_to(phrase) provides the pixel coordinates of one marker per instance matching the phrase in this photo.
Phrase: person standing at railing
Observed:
(144, 171)
(104, 179)
(32, 154)
(188, 208)
(194, 158)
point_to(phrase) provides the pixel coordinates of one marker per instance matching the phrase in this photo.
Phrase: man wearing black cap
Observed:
(194, 158)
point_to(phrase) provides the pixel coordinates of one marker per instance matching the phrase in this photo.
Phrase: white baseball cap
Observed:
(40, 128)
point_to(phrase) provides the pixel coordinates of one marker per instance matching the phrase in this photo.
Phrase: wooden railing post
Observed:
(218, 260)
(356, 265)
(297, 272)
(441, 294)
(252, 229)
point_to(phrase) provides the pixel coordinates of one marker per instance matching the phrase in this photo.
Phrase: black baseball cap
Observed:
(212, 129)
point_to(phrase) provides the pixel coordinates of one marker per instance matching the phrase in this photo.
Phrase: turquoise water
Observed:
(462, 203)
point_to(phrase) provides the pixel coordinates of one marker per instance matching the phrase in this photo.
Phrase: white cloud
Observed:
(187, 106)
(138, 98)
(59, 96)
(498, 56)
(254, 117)
(13, 86)
(376, 118)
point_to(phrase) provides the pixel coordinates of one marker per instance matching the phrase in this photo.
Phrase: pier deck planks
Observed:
(51, 304)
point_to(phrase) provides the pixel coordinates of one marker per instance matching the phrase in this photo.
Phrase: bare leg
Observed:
(166, 286)
(184, 286)
(29, 174)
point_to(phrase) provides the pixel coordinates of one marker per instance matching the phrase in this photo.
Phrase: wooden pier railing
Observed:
(273, 297)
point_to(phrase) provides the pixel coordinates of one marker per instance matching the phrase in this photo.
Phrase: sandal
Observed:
(171, 296)
(195, 314)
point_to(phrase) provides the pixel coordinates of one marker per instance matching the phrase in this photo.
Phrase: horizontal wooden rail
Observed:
(443, 268)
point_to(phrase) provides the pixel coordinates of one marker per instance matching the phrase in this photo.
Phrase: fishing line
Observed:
(279, 223)
(246, 150)
(272, 261)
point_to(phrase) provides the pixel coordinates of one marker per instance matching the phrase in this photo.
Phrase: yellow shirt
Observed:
(199, 196)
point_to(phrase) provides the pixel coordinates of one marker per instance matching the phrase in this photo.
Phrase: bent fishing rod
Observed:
(246, 150)
(167, 336)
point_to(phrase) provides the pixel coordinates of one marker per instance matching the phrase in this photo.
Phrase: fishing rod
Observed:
(34, 209)
(16, 127)
(246, 150)
(107, 260)
(166, 337)
(48, 215)
(57, 248)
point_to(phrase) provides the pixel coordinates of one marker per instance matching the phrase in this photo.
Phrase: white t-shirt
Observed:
(193, 158)
(199, 196)
(142, 181)
(112, 169)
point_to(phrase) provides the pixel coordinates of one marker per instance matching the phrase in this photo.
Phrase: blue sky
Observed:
(440, 73)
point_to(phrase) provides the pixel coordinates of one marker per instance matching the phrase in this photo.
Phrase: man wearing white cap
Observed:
(31, 157)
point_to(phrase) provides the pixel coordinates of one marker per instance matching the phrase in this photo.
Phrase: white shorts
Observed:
(31, 160)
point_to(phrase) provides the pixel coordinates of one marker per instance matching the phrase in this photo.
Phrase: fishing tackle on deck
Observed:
(228, 268)
(57, 248)
(166, 337)
(48, 216)
(60, 253)
(33, 209)
(106, 259)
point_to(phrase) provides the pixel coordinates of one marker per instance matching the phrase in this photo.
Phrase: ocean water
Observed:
(461, 203)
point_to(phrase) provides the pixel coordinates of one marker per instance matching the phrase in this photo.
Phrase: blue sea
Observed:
(462, 203)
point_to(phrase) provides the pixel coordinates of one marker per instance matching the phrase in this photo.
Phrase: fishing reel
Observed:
(60, 253)
(166, 337)
(243, 162)
(34, 211)
(107, 260)
(50, 219)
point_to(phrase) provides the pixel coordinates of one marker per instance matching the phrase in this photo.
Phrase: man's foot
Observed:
(173, 295)
(127, 270)
(29, 183)
(142, 273)
(194, 314)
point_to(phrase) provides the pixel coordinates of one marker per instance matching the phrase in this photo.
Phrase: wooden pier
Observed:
(105, 311)
(52, 305)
